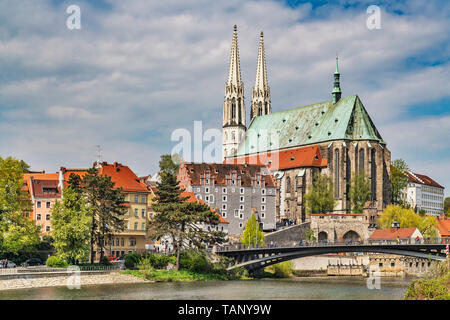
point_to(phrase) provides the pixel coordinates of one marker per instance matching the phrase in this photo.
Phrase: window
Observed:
(288, 184)
(336, 173)
(373, 174)
(392, 264)
(47, 205)
(136, 198)
(263, 207)
(47, 217)
(241, 207)
(263, 191)
(143, 225)
(224, 198)
(236, 213)
(132, 242)
(143, 213)
(135, 226)
(211, 198)
(241, 198)
(263, 199)
(38, 204)
(38, 216)
(241, 190)
(380, 264)
(240, 225)
(224, 190)
(263, 215)
(117, 242)
(136, 213)
(144, 199)
(47, 228)
(122, 242)
(207, 189)
(224, 206)
(241, 215)
(224, 214)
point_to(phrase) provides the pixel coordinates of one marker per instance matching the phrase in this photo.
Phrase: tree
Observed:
(359, 191)
(408, 219)
(71, 222)
(252, 235)
(310, 235)
(447, 206)
(17, 231)
(181, 220)
(399, 180)
(106, 206)
(320, 198)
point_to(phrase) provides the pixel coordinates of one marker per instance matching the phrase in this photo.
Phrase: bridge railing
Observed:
(325, 243)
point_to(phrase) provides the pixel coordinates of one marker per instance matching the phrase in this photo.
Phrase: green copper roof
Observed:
(320, 122)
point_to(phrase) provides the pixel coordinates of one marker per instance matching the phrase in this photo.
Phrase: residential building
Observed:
(443, 225)
(403, 235)
(235, 190)
(44, 192)
(336, 138)
(134, 237)
(391, 265)
(424, 193)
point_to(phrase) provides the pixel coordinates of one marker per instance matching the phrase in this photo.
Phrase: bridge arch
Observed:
(322, 236)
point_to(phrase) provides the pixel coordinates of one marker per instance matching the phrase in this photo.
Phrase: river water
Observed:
(322, 288)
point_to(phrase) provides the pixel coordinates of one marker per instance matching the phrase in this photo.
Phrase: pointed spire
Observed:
(234, 75)
(336, 93)
(261, 70)
(261, 92)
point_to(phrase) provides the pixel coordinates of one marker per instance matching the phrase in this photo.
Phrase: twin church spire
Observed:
(234, 123)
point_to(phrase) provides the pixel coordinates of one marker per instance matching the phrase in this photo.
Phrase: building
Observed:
(44, 192)
(391, 265)
(234, 190)
(403, 235)
(424, 193)
(443, 226)
(336, 138)
(134, 237)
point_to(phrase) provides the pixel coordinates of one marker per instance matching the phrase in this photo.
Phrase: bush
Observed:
(282, 269)
(131, 259)
(105, 261)
(195, 261)
(159, 261)
(56, 262)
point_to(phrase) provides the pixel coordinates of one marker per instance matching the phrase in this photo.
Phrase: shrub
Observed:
(56, 262)
(159, 261)
(195, 261)
(131, 259)
(283, 269)
(105, 261)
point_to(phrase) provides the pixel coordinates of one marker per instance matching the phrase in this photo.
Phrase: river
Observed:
(321, 288)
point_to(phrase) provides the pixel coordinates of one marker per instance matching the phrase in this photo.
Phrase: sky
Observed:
(138, 70)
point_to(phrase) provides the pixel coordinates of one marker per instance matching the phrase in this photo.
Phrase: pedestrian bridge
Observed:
(254, 258)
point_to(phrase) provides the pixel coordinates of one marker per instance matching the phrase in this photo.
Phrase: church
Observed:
(336, 138)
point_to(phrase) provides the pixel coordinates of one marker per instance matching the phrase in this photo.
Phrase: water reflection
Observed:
(285, 289)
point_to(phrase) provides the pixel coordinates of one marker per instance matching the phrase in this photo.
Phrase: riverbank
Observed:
(64, 280)
(180, 276)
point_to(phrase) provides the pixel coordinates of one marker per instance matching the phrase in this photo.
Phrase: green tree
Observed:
(106, 205)
(447, 206)
(310, 235)
(408, 219)
(252, 235)
(183, 221)
(399, 180)
(17, 231)
(359, 191)
(320, 198)
(71, 222)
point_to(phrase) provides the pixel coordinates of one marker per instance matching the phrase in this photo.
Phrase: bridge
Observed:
(255, 258)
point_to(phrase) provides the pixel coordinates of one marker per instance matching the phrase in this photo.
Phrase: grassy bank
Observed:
(436, 285)
(179, 275)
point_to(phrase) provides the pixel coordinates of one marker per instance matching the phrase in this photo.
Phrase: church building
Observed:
(336, 138)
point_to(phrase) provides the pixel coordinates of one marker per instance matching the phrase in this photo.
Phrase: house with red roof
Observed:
(424, 193)
(401, 234)
(443, 225)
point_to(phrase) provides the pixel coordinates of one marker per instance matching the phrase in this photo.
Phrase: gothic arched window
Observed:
(265, 107)
(260, 109)
(233, 109)
(361, 160)
(233, 136)
(239, 111)
(288, 184)
(336, 173)
(373, 174)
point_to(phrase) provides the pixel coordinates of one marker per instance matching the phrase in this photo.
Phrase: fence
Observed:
(43, 269)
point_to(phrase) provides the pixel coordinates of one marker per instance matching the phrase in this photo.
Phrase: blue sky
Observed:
(139, 69)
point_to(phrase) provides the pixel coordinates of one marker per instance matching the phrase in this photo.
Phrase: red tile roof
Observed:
(220, 172)
(285, 159)
(423, 179)
(121, 175)
(45, 188)
(392, 233)
(444, 226)
(192, 198)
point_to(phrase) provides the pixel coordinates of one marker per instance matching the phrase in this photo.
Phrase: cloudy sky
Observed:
(139, 69)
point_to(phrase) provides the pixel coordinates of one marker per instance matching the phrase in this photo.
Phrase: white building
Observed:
(424, 193)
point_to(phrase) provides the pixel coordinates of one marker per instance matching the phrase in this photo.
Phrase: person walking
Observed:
(398, 240)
